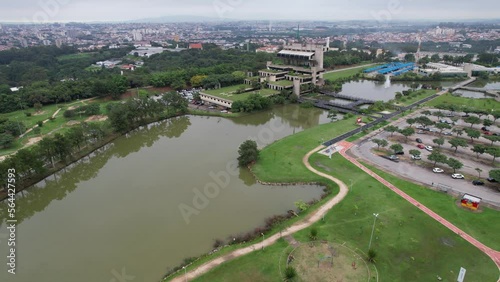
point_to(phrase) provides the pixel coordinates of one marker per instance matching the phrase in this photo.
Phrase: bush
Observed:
(69, 114)
(36, 130)
(28, 114)
(40, 123)
(313, 233)
(290, 273)
(371, 255)
(248, 153)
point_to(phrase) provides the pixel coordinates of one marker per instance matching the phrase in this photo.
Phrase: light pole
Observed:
(262, 241)
(185, 274)
(373, 229)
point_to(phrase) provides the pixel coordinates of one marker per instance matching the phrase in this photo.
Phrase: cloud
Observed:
(116, 10)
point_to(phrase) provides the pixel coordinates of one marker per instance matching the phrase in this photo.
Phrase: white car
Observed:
(428, 148)
(457, 176)
(416, 157)
(438, 170)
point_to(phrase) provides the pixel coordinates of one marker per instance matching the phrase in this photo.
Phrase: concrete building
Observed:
(302, 65)
(443, 69)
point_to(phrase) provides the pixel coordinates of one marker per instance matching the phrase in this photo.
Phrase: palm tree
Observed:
(479, 172)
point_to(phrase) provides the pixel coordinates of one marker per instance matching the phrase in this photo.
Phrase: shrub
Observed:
(290, 273)
(28, 114)
(313, 233)
(40, 123)
(69, 114)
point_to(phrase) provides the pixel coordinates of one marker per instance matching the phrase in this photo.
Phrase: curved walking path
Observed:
(493, 254)
(308, 221)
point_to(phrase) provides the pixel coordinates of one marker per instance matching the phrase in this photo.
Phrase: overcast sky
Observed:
(122, 10)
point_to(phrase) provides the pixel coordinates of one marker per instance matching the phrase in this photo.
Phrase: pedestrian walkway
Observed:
(493, 254)
(306, 222)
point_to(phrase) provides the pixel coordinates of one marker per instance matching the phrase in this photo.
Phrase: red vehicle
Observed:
(421, 146)
(487, 133)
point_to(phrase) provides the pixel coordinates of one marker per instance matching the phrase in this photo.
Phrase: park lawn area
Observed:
(480, 104)
(282, 160)
(229, 93)
(422, 94)
(484, 225)
(410, 245)
(261, 265)
(344, 73)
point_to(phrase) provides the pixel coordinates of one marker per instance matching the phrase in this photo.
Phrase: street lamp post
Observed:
(373, 229)
(262, 240)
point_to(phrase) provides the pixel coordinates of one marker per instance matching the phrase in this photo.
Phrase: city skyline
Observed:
(45, 11)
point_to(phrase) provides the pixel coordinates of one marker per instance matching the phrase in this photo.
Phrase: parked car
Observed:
(490, 179)
(484, 128)
(419, 127)
(393, 158)
(477, 182)
(487, 133)
(466, 115)
(437, 170)
(419, 140)
(429, 148)
(420, 132)
(457, 176)
(447, 133)
(421, 146)
(416, 157)
(496, 134)
(400, 153)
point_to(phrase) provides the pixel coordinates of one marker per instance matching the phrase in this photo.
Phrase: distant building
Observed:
(443, 69)
(268, 49)
(497, 50)
(147, 51)
(198, 46)
(466, 46)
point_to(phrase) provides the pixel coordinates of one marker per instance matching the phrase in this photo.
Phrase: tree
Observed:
(495, 174)
(37, 106)
(494, 152)
(332, 114)
(424, 121)
(439, 141)
(197, 80)
(396, 148)
(391, 129)
(410, 57)
(6, 140)
(479, 172)
(442, 126)
(372, 255)
(435, 58)
(457, 142)
(175, 102)
(454, 164)
(492, 138)
(473, 134)
(380, 142)
(487, 122)
(472, 120)
(496, 115)
(248, 153)
(411, 121)
(426, 112)
(407, 132)
(458, 131)
(437, 157)
(415, 152)
(479, 149)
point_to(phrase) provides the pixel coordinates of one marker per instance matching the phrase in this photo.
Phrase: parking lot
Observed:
(422, 172)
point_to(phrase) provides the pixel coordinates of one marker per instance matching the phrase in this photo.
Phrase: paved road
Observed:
(493, 254)
(308, 221)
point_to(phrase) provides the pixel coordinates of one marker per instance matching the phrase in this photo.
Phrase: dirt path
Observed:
(493, 254)
(306, 222)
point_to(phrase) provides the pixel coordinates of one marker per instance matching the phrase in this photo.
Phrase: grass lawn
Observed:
(344, 73)
(259, 266)
(282, 160)
(229, 92)
(480, 104)
(410, 245)
(422, 94)
(484, 225)
(282, 82)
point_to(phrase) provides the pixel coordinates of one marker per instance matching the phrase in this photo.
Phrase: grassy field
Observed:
(410, 245)
(484, 225)
(59, 125)
(422, 94)
(345, 73)
(229, 92)
(282, 160)
(481, 104)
